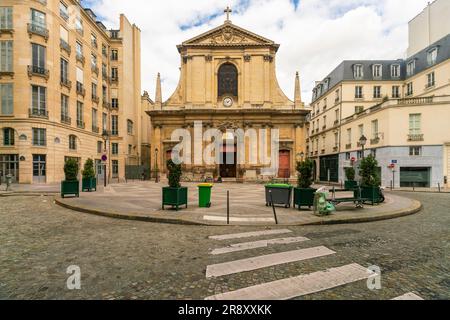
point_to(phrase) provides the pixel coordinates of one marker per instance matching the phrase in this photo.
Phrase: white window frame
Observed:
(415, 123)
(411, 67)
(358, 71)
(432, 56)
(6, 18)
(395, 71)
(377, 71)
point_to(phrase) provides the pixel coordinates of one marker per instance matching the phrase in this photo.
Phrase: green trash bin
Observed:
(204, 195)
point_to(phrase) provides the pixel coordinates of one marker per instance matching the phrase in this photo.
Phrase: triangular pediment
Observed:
(228, 34)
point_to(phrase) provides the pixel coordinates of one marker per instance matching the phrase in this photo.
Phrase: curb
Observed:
(417, 207)
(396, 214)
(28, 194)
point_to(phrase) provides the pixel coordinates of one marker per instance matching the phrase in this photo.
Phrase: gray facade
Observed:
(432, 157)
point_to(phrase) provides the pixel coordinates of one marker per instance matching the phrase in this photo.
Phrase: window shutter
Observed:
(64, 34)
(80, 76)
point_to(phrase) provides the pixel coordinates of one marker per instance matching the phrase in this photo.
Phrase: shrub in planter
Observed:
(370, 181)
(174, 195)
(89, 181)
(350, 183)
(304, 194)
(71, 185)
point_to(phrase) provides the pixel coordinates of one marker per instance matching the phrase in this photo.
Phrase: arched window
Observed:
(228, 80)
(72, 142)
(8, 137)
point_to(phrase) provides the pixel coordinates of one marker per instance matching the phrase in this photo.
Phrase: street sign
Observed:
(394, 161)
(104, 158)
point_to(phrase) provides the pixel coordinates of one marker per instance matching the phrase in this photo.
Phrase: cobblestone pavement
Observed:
(134, 260)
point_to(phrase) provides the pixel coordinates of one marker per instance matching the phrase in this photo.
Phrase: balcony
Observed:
(80, 58)
(6, 29)
(95, 129)
(95, 99)
(37, 113)
(106, 104)
(336, 122)
(430, 85)
(375, 141)
(114, 133)
(66, 119)
(80, 31)
(348, 146)
(415, 137)
(94, 69)
(115, 79)
(65, 46)
(66, 83)
(80, 124)
(38, 71)
(64, 15)
(335, 149)
(37, 29)
(80, 89)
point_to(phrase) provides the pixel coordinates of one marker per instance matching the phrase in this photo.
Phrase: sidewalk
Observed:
(142, 201)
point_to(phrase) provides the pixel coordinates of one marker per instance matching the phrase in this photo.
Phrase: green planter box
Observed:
(174, 197)
(89, 184)
(70, 188)
(281, 194)
(204, 195)
(304, 197)
(351, 185)
(371, 194)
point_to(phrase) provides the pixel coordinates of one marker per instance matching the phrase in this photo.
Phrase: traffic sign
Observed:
(104, 157)
(394, 161)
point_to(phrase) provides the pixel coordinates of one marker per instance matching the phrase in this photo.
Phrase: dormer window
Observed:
(377, 71)
(432, 56)
(411, 67)
(327, 84)
(395, 71)
(358, 71)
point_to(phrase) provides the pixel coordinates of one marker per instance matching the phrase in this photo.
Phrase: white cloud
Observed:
(314, 39)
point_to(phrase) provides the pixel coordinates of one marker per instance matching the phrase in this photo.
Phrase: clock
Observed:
(228, 102)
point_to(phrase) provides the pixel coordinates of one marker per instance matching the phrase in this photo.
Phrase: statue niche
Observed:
(228, 80)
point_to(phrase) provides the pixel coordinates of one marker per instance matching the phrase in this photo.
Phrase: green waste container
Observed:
(204, 195)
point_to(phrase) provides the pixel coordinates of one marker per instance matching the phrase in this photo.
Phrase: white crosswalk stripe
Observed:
(260, 262)
(234, 219)
(250, 234)
(298, 286)
(408, 296)
(257, 244)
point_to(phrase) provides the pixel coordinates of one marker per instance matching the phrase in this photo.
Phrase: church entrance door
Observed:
(228, 159)
(284, 170)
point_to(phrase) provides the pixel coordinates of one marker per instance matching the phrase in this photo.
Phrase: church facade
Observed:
(228, 82)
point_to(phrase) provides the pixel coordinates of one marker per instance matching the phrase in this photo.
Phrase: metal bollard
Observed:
(439, 187)
(273, 208)
(8, 182)
(228, 207)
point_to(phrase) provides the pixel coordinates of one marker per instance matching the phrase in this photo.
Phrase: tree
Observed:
(71, 170)
(350, 174)
(88, 171)
(304, 174)
(368, 172)
(174, 174)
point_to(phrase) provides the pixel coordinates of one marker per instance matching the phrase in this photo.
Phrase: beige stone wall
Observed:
(346, 104)
(128, 87)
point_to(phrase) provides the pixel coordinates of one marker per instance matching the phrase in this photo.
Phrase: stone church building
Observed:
(228, 81)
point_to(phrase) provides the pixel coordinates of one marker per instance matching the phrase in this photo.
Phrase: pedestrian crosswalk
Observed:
(265, 261)
(287, 288)
(408, 296)
(257, 244)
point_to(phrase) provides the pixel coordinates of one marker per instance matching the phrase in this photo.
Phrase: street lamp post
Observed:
(362, 142)
(156, 166)
(105, 137)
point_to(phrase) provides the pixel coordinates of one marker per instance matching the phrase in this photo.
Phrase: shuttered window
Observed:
(6, 101)
(6, 56)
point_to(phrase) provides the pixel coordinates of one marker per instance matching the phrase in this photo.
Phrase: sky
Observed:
(315, 35)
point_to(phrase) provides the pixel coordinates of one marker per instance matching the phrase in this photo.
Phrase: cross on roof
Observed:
(228, 11)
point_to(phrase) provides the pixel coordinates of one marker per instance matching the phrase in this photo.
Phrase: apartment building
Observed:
(401, 106)
(65, 80)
